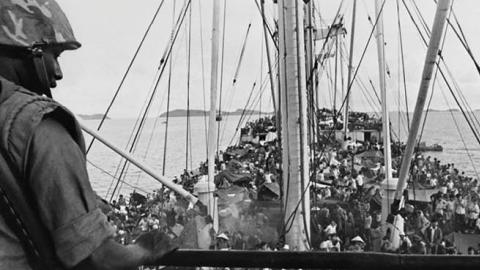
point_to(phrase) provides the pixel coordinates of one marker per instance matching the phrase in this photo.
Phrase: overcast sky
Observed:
(110, 31)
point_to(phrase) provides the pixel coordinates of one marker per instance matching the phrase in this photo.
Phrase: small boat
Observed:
(423, 147)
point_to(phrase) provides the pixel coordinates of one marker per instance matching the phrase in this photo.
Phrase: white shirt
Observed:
(359, 180)
(330, 229)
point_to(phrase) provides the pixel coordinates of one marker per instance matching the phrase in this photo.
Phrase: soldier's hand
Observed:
(156, 245)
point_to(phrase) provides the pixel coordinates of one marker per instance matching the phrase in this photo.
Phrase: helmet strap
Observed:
(41, 70)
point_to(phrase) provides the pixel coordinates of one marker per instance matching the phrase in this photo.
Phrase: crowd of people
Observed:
(346, 202)
(349, 200)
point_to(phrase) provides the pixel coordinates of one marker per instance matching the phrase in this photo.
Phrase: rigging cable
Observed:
(363, 54)
(464, 42)
(203, 75)
(264, 20)
(129, 141)
(243, 111)
(261, 77)
(235, 78)
(161, 69)
(189, 49)
(248, 109)
(461, 136)
(140, 129)
(219, 115)
(466, 116)
(422, 20)
(139, 124)
(109, 174)
(404, 76)
(169, 88)
(126, 73)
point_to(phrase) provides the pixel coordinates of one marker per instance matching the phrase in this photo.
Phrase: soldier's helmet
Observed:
(29, 23)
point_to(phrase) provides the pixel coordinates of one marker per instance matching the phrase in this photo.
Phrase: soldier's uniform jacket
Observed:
(44, 147)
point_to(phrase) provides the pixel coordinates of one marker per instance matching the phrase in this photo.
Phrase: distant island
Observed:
(435, 110)
(92, 116)
(183, 113)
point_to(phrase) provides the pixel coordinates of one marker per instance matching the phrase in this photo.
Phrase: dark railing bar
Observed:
(317, 260)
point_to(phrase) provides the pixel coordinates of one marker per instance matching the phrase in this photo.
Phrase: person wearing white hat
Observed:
(357, 239)
(357, 244)
(223, 242)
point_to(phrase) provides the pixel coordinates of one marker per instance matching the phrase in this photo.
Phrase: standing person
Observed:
(52, 219)
(473, 211)
(359, 180)
(433, 236)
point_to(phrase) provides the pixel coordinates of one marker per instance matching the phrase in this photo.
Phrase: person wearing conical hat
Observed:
(49, 215)
(356, 244)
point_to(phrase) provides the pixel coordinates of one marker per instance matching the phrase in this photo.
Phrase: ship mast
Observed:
(212, 131)
(293, 107)
(383, 89)
(443, 7)
(385, 108)
(350, 69)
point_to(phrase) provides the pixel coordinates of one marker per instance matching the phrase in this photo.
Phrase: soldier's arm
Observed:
(56, 172)
(112, 255)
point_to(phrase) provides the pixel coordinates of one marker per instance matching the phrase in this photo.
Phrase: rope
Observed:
(264, 20)
(243, 111)
(203, 76)
(126, 73)
(363, 54)
(169, 88)
(461, 136)
(162, 69)
(467, 118)
(249, 107)
(404, 76)
(464, 42)
(189, 49)
(219, 120)
(150, 139)
(235, 77)
(109, 174)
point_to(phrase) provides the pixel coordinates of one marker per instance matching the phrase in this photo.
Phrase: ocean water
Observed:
(440, 128)
(150, 149)
(450, 130)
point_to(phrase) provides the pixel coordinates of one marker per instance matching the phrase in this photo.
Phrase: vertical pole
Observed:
(169, 87)
(385, 108)
(383, 90)
(443, 7)
(350, 66)
(310, 76)
(212, 131)
(294, 128)
(269, 60)
(342, 77)
(335, 87)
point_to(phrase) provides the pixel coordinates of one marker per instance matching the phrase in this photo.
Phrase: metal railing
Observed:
(317, 260)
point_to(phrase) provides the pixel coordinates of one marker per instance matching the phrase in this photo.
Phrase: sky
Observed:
(110, 31)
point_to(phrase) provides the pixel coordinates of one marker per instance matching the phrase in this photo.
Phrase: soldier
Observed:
(49, 218)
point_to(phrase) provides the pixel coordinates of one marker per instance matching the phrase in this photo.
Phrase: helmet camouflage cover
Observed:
(25, 23)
